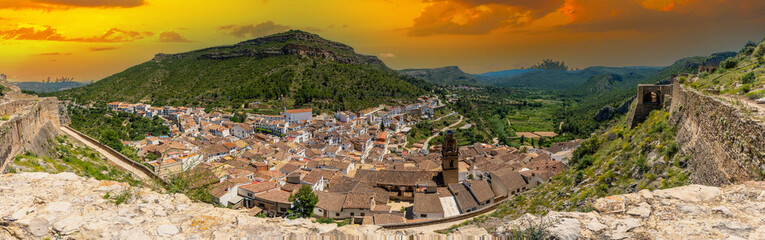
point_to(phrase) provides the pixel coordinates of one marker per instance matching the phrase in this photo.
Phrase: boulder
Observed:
(68, 225)
(167, 230)
(566, 229)
(39, 227)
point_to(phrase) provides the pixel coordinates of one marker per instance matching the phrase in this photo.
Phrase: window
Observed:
(261, 205)
(337, 214)
(283, 209)
(362, 214)
(352, 214)
(423, 215)
(249, 194)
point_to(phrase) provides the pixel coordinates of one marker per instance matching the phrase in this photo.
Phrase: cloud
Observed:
(387, 55)
(98, 49)
(54, 54)
(48, 33)
(473, 17)
(172, 37)
(252, 31)
(664, 15)
(66, 4)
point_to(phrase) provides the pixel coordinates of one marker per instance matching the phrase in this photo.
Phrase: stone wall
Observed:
(725, 144)
(27, 124)
(649, 97)
(30, 124)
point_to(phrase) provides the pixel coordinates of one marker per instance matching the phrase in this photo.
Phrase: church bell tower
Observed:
(450, 159)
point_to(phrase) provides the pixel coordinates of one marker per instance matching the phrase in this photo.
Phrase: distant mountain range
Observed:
(296, 68)
(450, 75)
(41, 87)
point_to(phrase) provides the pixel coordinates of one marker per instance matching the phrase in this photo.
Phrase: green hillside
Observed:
(592, 96)
(451, 75)
(294, 68)
(619, 161)
(741, 74)
(560, 80)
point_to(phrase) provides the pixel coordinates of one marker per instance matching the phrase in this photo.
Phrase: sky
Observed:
(92, 39)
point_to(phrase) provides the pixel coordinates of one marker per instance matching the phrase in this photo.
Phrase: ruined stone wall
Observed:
(29, 126)
(725, 144)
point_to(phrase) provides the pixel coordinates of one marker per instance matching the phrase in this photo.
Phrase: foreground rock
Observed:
(41, 205)
(689, 212)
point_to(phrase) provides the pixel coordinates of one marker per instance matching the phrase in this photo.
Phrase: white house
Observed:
(297, 115)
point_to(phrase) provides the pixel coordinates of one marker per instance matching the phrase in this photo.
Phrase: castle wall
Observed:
(725, 144)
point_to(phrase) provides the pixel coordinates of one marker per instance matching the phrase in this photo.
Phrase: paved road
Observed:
(427, 142)
(112, 159)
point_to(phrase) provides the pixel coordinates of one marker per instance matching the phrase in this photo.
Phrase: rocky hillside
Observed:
(294, 68)
(689, 212)
(41, 205)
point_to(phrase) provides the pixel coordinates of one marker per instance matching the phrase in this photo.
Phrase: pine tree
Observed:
(303, 202)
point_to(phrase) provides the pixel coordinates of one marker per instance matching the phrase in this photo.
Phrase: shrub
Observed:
(729, 63)
(746, 88)
(759, 51)
(533, 231)
(748, 78)
(324, 220)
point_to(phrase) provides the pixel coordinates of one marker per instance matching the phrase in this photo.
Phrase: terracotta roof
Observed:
(465, 200)
(387, 218)
(275, 196)
(316, 174)
(427, 203)
(331, 201)
(511, 179)
(259, 187)
(299, 110)
(358, 201)
(481, 190)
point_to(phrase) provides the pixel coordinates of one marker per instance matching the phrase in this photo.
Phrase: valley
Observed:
(295, 134)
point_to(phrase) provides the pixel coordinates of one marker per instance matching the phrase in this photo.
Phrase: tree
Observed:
(523, 139)
(303, 202)
(729, 63)
(382, 125)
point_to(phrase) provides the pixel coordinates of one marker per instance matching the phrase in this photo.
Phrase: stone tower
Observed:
(450, 159)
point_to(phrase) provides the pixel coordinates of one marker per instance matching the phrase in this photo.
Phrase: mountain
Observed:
(42, 87)
(506, 73)
(290, 69)
(451, 75)
(559, 80)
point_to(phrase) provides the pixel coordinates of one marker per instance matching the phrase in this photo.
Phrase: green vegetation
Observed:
(120, 198)
(187, 183)
(68, 157)
(533, 231)
(303, 203)
(619, 161)
(451, 75)
(296, 68)
(738, 75)
(111, 128)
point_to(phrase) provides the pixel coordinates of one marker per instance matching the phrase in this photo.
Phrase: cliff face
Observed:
(27, 123)
(724, 137)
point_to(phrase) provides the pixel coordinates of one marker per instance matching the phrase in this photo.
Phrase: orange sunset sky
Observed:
(92, 39)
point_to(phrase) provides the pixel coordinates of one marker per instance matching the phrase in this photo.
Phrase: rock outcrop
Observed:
(41, 205)
(688, 212)
(27, 123)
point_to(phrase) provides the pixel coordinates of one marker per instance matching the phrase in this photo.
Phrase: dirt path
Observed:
(427, 142)
(112, 159)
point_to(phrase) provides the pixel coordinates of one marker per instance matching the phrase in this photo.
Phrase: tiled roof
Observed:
(331, 201)
(259, 187)
(358, 201)
(481, 190)
(427, 203)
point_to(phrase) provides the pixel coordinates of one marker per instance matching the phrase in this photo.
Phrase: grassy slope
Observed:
(745, 78)
(616, 162)
(69, 157)
(191, 79)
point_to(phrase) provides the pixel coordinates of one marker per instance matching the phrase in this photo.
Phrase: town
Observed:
(357, 163)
